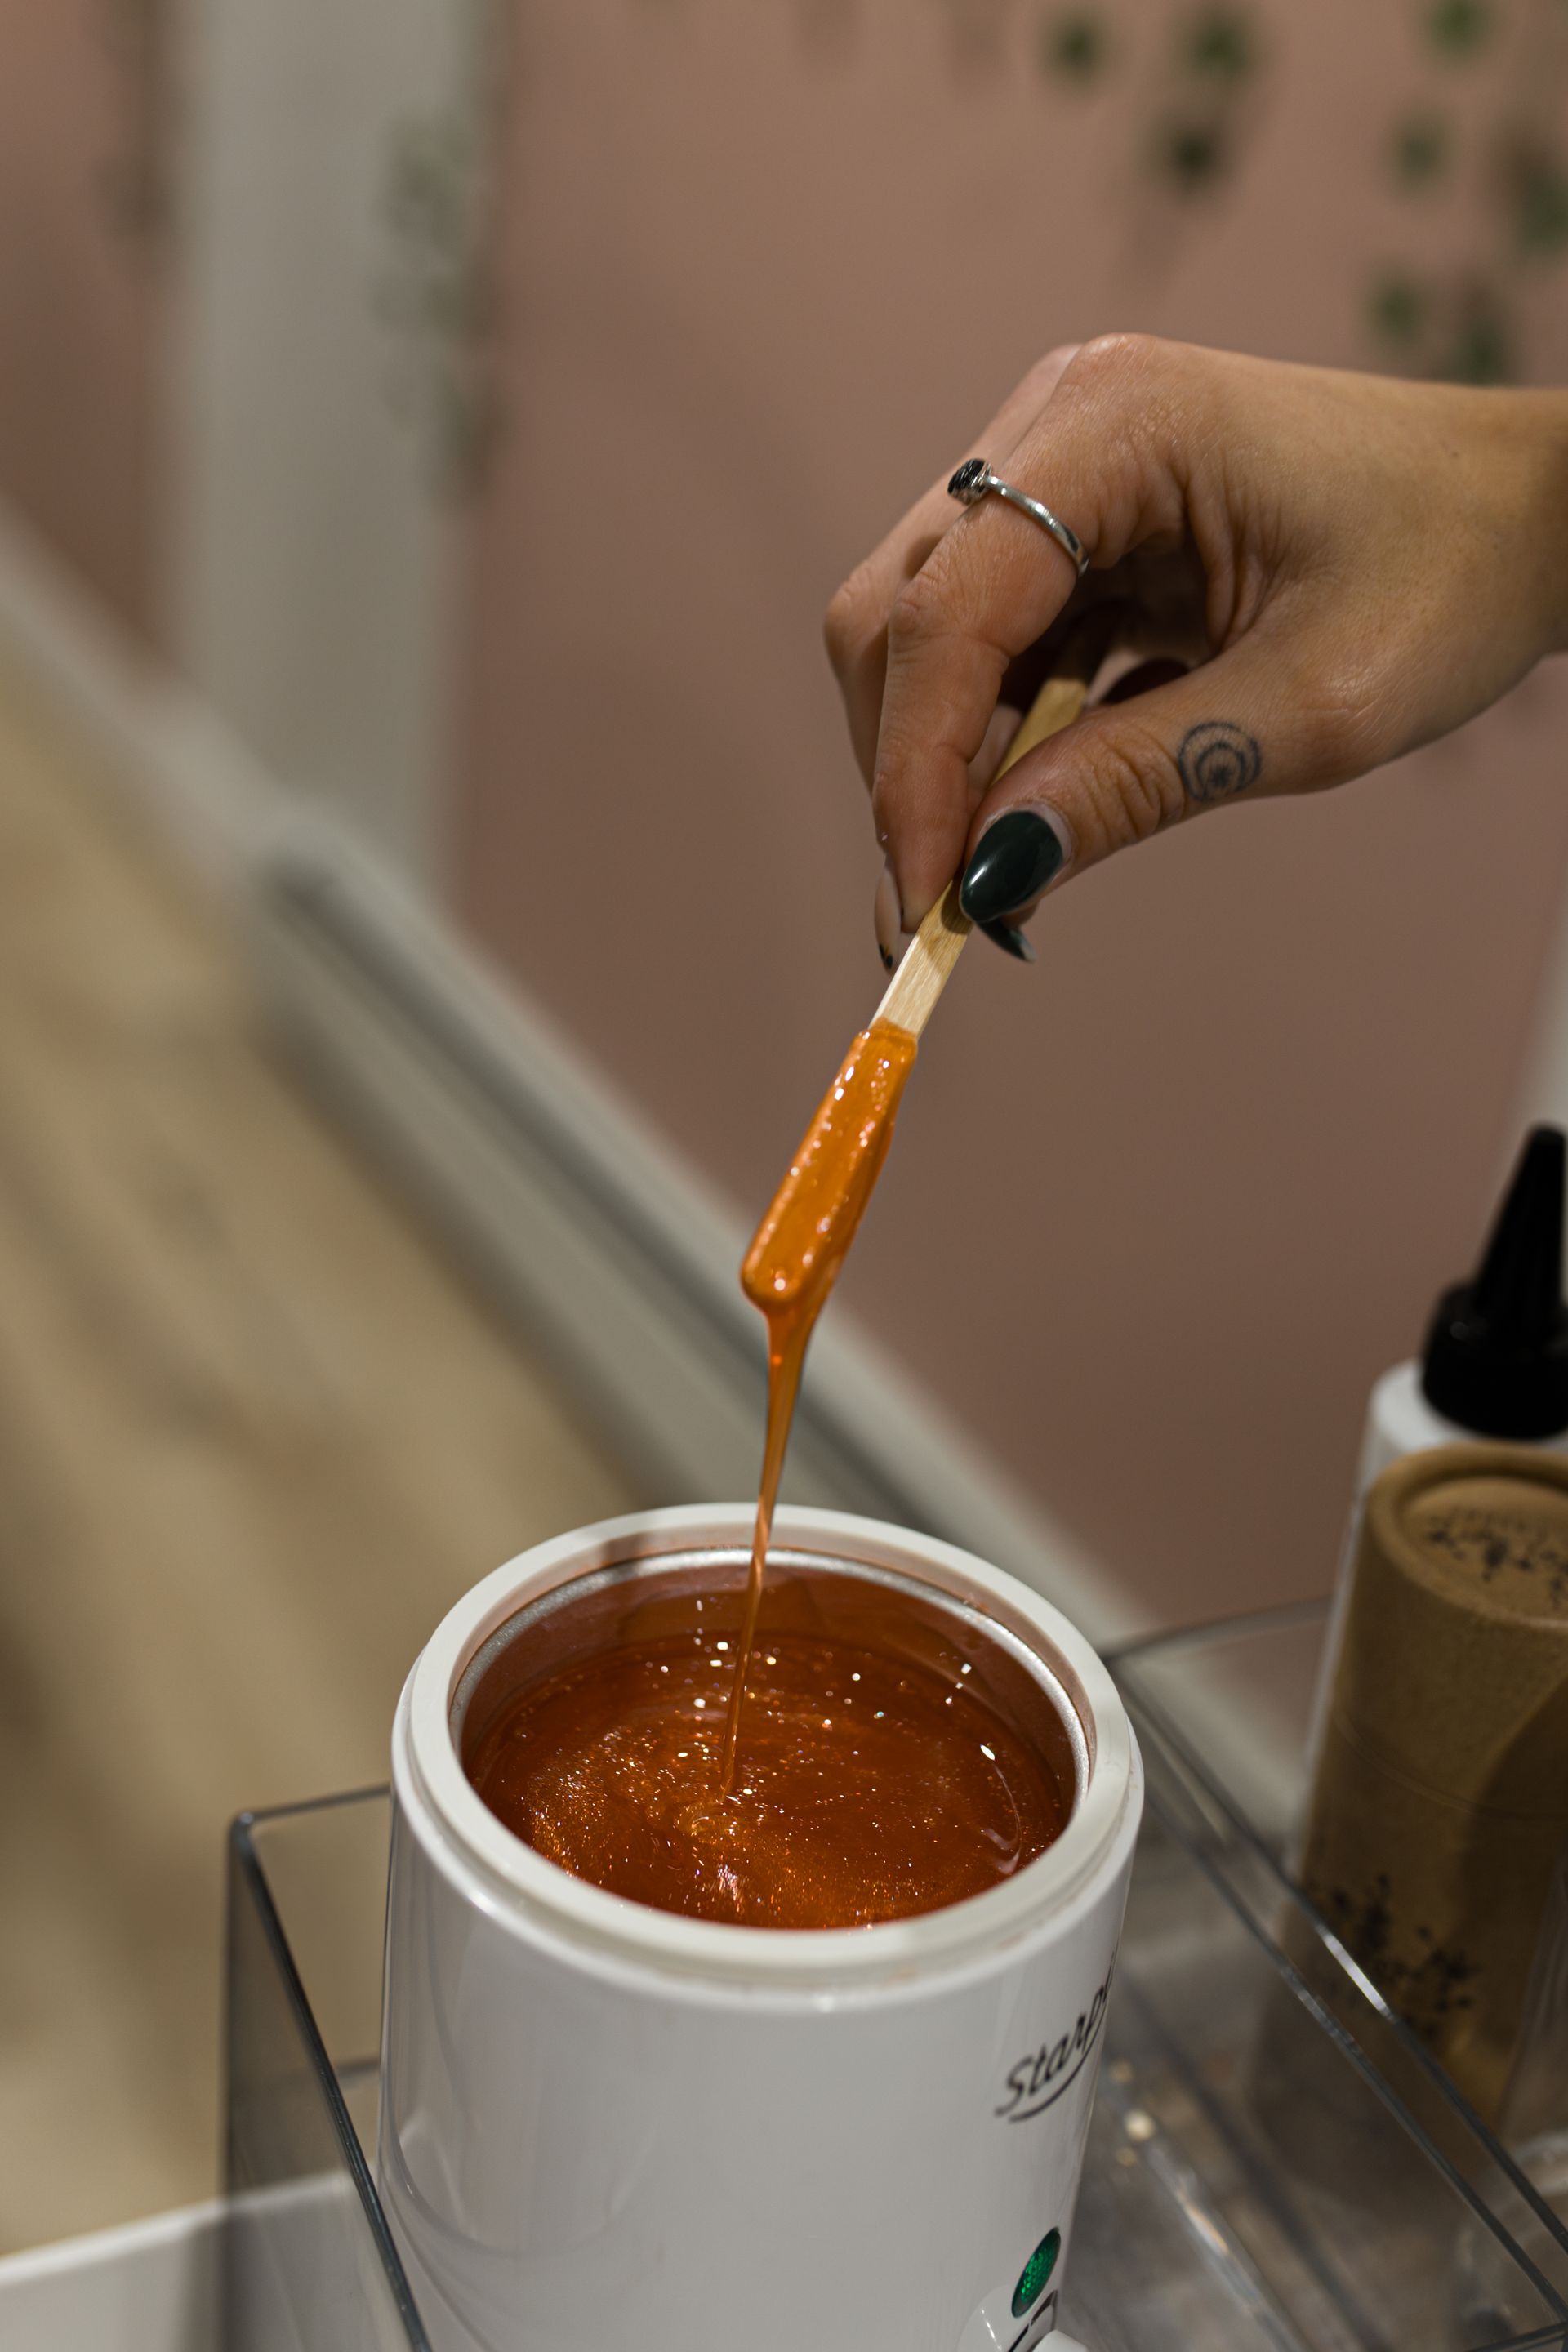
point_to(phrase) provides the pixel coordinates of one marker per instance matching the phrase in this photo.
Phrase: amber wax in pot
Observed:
(770, 1767)
(878, 1774)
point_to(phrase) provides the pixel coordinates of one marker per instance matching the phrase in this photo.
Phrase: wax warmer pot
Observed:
(606, 2128)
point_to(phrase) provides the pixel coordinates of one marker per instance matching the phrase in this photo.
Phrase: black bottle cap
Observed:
(1496, 1353)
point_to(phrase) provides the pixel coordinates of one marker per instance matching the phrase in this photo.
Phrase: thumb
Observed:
(1238, 728)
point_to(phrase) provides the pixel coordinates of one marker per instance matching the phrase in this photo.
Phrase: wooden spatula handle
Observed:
(936, 948)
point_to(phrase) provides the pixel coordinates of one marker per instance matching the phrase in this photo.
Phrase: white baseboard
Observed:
(613, 1253)
(150, 2286)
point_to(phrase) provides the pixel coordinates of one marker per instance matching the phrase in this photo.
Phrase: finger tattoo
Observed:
(1219, 760)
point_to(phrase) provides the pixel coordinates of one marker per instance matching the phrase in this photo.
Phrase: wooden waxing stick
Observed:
(934, 949)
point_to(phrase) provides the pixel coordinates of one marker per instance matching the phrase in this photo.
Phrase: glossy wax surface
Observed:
(811, 1221)
(865, 1786)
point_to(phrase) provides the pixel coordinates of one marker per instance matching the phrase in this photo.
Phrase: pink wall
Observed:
(1163, 1206)
(79, 299)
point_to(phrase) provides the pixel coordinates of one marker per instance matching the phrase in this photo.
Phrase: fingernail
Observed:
(1010, 940)
(1016, 857)
(889, 918)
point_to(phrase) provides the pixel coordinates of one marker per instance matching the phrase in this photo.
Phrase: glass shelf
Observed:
(1273, 2165)
(1231, 1705)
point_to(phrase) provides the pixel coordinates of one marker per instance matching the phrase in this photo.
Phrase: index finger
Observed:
(856, 622)
(986, 593)
(991, 586)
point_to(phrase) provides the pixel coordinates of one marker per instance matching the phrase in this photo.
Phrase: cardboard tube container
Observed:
(1440, 1803)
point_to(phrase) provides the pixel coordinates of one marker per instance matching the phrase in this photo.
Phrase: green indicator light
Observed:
(1036, 2271)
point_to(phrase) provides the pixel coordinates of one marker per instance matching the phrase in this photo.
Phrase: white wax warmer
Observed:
(608, 2128)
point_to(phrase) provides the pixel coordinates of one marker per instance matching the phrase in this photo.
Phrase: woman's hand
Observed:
(1355, 565)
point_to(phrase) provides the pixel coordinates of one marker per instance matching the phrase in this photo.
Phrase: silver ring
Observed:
(974, 481)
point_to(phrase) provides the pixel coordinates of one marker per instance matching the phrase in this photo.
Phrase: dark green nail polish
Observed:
(1010, 940)
(888, 962)
(1016, 858)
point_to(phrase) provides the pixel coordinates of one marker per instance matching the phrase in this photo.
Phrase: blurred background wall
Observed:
(84, 145)
(509, 392)
(1163, 1205)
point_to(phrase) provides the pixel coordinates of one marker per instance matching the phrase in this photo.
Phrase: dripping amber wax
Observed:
(785, 1779)
(793, 1262)
(867, 1787)
(812, 1220)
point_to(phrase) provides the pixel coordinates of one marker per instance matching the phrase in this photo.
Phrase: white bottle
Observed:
(1495, 1363)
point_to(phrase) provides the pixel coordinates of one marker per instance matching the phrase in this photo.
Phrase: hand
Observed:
(1355, 565)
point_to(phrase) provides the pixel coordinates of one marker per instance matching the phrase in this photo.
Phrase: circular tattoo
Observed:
(1217, 760)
